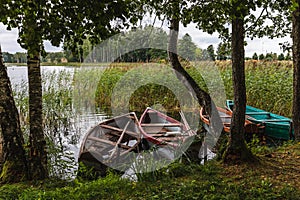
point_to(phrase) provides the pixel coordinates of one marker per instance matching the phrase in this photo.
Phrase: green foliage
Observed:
(257, 147)
(85, 172)
(11, 191)
(41, 20)
(110, 187)
(223, 51)
(214, 16)
(58, 115)
(211, 52)
(281, 57)
(255, 57)
(186, 47)
(261, 57)
(142, 80)
(269, 86)
(288, 56)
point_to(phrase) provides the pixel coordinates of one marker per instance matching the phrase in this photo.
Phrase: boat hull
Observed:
(276, 126)
(112, 143)
(226, 115)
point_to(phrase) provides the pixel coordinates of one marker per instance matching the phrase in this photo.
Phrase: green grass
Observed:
(273, 178)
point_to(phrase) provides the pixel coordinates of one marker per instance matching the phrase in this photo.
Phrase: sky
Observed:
(8, 41)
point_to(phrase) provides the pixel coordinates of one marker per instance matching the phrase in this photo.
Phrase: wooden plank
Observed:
(108, 142)
(166, 134)
(227, 116)
(169, 139)
(101, 140)
(119, 140)
(131, 133)
(161, 125)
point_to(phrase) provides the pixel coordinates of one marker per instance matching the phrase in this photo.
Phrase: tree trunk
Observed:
(37, 154)
(14, 167)
(296, 82)
(202, 97)
(237, 150)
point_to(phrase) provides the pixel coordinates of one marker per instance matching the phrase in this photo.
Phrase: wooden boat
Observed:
(226, 115)
(112, 143)
(276, 126)
(160, 129)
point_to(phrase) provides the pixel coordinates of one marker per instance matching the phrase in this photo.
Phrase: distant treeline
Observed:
(140, 45)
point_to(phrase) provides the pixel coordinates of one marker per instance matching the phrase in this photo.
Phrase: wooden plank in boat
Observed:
(120, 130)
(166, 134)
(161, 125)
(101, 140)
(108, 142)
(171, 139)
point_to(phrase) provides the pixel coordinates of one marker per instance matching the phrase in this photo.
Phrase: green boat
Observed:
(276, 126)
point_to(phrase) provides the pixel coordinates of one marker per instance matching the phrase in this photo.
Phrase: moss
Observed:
(13, 172)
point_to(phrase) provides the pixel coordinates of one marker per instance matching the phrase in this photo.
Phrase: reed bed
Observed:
(132, 87)
(269, 85)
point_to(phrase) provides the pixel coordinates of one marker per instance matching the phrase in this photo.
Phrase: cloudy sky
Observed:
(8, 41)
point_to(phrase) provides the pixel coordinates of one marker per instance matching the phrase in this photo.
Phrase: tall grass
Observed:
(67, 95)
(58, 118)
(142, 86)
(269, 85)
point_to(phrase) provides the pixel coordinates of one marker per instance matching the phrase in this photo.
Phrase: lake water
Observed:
(18, 74)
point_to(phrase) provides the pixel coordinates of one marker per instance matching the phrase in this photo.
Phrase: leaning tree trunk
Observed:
(237, 150)
(37, 154)
(14, 168)
(296, 61)
(200, 95)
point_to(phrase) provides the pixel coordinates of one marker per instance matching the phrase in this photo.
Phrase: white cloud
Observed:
(265, 45)
(8, 41)
(258, 45)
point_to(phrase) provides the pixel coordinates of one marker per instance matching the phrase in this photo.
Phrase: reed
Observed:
(67, 95)
(269, 85)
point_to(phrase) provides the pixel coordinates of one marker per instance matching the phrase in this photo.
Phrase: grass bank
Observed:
(276, 177)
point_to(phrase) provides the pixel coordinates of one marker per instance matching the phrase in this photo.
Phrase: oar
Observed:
(185, 121)
(119, 140)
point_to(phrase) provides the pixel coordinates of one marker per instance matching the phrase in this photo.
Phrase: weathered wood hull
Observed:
(226, 115)
(111, 144)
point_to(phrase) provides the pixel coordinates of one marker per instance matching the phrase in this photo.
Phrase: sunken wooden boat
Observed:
(162, 130)
(113, 143)
(276, 126)
(226, 116)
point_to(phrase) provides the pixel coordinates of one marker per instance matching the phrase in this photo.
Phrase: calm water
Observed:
(18, 74)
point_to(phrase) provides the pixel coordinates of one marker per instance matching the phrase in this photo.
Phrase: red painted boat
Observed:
(160, 129)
